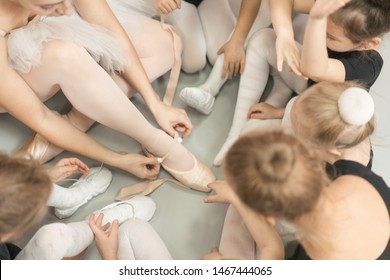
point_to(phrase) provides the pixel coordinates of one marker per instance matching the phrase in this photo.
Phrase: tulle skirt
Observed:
(25, 44)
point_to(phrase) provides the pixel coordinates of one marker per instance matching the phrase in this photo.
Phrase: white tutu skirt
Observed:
(25, 44)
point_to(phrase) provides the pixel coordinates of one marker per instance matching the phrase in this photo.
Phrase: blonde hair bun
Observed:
(356, 106)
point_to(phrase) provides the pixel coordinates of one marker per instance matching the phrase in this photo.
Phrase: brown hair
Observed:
(24, 191)
(363, 19)
(320, 121)
(275, 174)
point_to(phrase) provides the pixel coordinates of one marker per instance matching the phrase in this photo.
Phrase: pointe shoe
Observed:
(39, 148)
(197, 178)
(94, 183)
(141, 207)
(198, 98)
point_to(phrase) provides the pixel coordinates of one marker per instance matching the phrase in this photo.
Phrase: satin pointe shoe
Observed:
(92, 184)
(39, 148)
(196, 178)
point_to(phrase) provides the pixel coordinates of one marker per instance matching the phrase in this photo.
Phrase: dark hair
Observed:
(363, 19)
(24, 191)
(275, 174)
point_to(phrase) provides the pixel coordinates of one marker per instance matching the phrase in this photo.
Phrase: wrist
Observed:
(279, 113)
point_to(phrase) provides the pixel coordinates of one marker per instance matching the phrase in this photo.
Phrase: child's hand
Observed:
(106, 241)
(264, 111)
(323, 8)
(66, 167)
(167, 6)
(140, 165)
(223, 193)
(234, 59)
(287, 50)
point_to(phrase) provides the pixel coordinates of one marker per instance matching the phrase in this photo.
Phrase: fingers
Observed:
(75, 162)
(280, 63)
(242, 66)
(214, 249)
(152, 168)
(167, 7)
(185, 125)
(114, 228)
(210, 199)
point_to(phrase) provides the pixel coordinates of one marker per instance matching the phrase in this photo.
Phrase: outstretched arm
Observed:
(281, 14)
(168, 118)
(233, 49)
(263, 233)
(316, 63)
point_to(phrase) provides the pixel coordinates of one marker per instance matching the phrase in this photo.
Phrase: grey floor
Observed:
(187, 225)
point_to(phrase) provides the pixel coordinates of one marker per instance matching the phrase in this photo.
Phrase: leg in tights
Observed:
(236, 241)
(218, 22)
(57, 241)
(186, 22)
(139, 241)
(261, 58)
(155, 50)
(202, 98)
(102, 101)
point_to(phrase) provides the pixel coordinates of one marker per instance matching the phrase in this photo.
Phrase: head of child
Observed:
(24, 191)
(359, 25)
(333, 117)
(275, 174)
(47, 7)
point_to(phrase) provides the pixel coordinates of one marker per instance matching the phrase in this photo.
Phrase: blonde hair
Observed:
(275, 174)
(320, 121)
(24, 191)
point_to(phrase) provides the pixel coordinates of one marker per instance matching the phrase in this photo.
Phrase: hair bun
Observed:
(356, 106)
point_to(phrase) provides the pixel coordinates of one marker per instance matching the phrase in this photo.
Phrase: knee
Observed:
(51, 233)
(63, 53)
(51, 241)
(262, 42)
(264, 38)
(193, 63)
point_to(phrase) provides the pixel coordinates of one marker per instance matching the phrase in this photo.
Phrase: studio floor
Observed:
(188, 226)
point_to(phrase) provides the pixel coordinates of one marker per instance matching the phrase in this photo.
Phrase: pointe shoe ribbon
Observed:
(175, 71)
(144, 188)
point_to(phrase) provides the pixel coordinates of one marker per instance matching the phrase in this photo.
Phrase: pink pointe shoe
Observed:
(39, 148)
(196, 178)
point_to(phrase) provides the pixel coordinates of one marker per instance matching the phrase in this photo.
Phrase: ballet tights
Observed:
(261, 62)
(57, 241)
(236, 241)
(139, 241)
(74, 70)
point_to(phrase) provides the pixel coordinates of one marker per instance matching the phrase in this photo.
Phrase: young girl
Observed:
(344, 49)
(26, 190)
(263, 171)
(57, 58)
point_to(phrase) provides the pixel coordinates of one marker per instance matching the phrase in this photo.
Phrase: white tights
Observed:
(261, 62)
(137, 240)
(69, 67)
(237, 242)
(186, 23)
(57, 241)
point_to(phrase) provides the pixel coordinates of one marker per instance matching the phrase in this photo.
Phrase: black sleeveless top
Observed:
(195, 2)
(346, 167)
